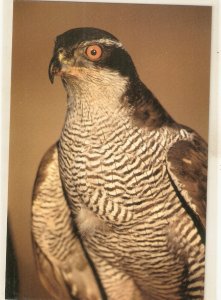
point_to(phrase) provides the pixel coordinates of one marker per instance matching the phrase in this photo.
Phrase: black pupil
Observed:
(93, 52)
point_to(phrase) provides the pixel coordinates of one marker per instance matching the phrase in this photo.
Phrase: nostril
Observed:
(60, 51)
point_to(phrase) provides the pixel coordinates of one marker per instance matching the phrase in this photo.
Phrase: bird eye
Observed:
(94, 52)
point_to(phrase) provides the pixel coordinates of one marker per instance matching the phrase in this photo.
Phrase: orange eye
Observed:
(94, 52)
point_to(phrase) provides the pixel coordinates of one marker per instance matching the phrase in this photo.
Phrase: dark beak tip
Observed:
(51, 78)
(52, 69)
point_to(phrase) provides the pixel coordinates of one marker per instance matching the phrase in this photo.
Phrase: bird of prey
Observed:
(119, 202)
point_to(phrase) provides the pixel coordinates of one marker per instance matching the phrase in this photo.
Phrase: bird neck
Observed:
(89, 101)
(114, 98)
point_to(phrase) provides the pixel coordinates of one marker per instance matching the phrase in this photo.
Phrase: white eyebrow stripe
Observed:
(106, 42)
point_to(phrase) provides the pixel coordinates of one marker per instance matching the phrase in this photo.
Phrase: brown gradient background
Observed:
(170, 46)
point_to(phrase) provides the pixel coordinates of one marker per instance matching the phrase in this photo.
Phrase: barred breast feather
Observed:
(61, 262)
(122, 174)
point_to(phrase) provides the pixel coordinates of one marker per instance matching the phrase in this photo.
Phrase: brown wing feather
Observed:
(187, 168)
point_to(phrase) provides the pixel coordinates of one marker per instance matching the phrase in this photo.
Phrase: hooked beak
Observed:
(54, 68)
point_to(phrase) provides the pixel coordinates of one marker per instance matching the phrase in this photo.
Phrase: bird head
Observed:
(89, 54)
(94, 65)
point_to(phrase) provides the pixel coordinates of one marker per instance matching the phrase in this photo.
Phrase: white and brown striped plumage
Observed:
(61, 262)
(127, 190)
